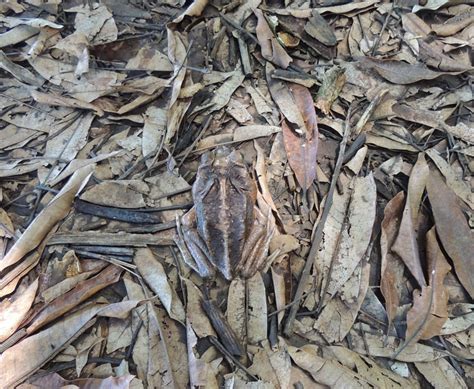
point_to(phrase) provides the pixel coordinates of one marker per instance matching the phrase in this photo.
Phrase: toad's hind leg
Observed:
(193, 249)
(254, 254)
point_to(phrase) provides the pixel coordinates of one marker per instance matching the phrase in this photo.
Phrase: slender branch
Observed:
(317, 237)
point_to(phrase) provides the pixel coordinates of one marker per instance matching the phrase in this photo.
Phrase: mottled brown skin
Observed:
(224, 196)
(215, 230)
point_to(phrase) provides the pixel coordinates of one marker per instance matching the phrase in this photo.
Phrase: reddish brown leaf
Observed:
(430, 307)
(429, 312)
(302, 149)
(74, 297)
(452, 229)
(392, 266)
(406, 245)
(439, 268)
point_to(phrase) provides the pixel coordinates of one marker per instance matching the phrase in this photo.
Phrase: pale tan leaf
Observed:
(55, 211)
(154, 274)
(441, 374)
(340, 313)
(150, 59)
(280, 292)
(15, 309)
(236, 308)
(198, 369)
(117, 193)
(195, 314)
(324, 371)
(374, 345)
(261, 170)
(399, 72)
(62, 101)
(19, 72)
(376, 375)
(354, 237)
(194, 9)
(257, 310)
(273, 364)
(33, 352)
(54, 380)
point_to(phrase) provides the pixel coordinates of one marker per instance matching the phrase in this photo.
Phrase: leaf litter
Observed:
(355, 121)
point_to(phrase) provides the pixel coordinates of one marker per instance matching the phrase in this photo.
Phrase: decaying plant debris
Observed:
(353, 118)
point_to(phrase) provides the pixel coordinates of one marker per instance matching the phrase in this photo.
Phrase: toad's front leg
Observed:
(193, 248)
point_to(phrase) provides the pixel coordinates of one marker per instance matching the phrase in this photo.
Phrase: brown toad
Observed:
(224, 230)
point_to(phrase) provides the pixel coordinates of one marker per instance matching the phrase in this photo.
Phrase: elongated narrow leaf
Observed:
(452, 228)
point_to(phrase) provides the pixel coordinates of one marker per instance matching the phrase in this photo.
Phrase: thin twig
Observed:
(317, 237)
(384, 26)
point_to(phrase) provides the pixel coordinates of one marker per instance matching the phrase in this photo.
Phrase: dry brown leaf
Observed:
(392, 267)
(117, 193)
(429, 312)
(55, 211)
(406, 245)
(236, 309)
(399, 72)
(340, 313)
(301, 144)
(272, 364)
(81, 292)
(195, 314)
(374, 345)
(440, 374)
(453, 179)
(172, 335)
(154, 275)
(65, 144)
(271, 48)
(454, 24)
(452, 229)
(149, 59)
(261, 169)
(78, 163)
(346, 235)
(285, 100)
(319, 29)
(433, 5)
(433, 119)
(151, 353)
(97, 23)
(54, 380)
(324, 371)
(375, 375)
(194, 9)
(15, 309)
(279, 286)
(198, 369)
(335, 9)
(257, 310)
(33, 352)
(19, 72)
(62, 101)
